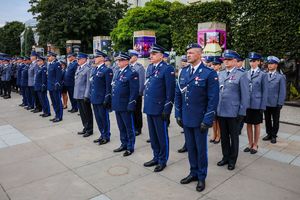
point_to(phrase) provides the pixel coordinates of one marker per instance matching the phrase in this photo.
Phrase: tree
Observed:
(10, 37)
(76, 19)
(266, 26)
(28, 41)
(155, 15)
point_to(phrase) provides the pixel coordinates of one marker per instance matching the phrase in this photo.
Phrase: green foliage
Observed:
(28, 41)
(10, 37)
(155, 15)
(76, 19)
(266, 26)
(185, 21)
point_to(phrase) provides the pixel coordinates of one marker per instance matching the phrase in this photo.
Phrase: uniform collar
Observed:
(196, 67)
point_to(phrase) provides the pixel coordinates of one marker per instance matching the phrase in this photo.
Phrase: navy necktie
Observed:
(192, 72)
(228, 72)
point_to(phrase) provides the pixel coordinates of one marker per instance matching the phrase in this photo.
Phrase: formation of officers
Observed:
(204, 95)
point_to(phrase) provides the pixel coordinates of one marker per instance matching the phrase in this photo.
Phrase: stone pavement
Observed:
(41, 160)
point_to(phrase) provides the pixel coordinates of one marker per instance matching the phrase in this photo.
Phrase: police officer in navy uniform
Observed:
(40, 85)
(69, 80)
(82, 94)
(158, 103)
(54, 85)
(139, 68)
(125, 90)
(233, 103)
(24, 82)
(196, 100)
(258, 87)
(31, 78)
(20, 66)
(100, 96)
(275, 100)
(6, 77)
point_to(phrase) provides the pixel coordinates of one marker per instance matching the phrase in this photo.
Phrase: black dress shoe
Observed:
(159, 168)
(37, 111)
(200, 186)
(121, 148)
(253, 151)
(148, 141)
(22, 105)
(103, 141)
(81, 132)
(97, 140)
(138, 133)
(150, 163)
(73, 111)
(57, 120)
(52, 119)
(217, 141)
(273, 140)
(46, 115)
(222, 163)
(211, 141)
(231, 167)
(267, 137)
(188, 179)
(247, 149)
(70, 110)
(182, 150)
(87, 134)
(127, 153)
(7, 97)
(42, 114)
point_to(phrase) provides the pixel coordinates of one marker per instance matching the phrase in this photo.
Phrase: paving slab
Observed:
(20, 152)
(82, 155)
(3, 195)
(279, 156)
(111, 173)
(101, 197)
(25, 171)
(153, 187)
(242, 187)
(67, 186)
(275, 173)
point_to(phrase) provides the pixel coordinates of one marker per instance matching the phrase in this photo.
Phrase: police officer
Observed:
(240, 63)
(208, 61)
(196, 100)
(139, 68)
(216, 135)
(20, 66)
(275, 100)
(24, 82)
(100, 96)
(54, 85)
(158, 104)
(81, 94)
(125, 90)
(6, 77)
(40, 85)
(31, 76)
(184, 63)
(1, 83)
(258, 87)
(233, 103)
(69, 80)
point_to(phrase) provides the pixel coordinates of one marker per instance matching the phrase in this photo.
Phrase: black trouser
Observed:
(229, 127)
(138, 116)
(1, 87)
(86, 115)
(13, 83)
(272, 114)
(6, 87)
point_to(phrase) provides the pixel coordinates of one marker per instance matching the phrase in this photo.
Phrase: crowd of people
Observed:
(206, 92)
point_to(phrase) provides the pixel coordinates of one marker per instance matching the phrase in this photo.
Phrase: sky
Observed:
(14, 10)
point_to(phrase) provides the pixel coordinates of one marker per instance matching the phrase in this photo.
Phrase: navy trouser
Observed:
(24, 91)
(55, 96)
(126, 126)
(102, 119)
(196, 143)
(70, 90)
(44, 101)
(31, 96)
(159, 138)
